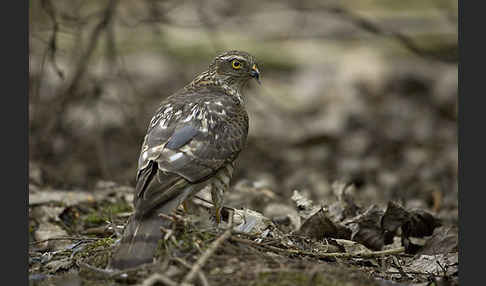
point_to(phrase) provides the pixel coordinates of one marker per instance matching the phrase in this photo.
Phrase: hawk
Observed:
(192, 141)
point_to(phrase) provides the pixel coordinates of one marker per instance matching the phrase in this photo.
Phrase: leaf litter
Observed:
(364, 239)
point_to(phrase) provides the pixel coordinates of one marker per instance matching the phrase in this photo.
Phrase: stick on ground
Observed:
(324, 255)
(155, 278)
(202, 260)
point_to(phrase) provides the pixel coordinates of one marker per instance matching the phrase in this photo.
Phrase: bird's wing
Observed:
(190, 137)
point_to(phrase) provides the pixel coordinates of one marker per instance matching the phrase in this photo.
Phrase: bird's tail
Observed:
(141, 236)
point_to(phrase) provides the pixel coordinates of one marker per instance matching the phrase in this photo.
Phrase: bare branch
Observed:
(65, 97)
(202, 260)
(65, 238)
(92, 43)
(157, 278)
(52, 46)
(323, 255)
(373, 28)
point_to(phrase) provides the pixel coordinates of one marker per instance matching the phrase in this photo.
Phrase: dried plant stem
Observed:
(201, 276)
(156, 278)
(202, 260)
(103, 272)
(342, 254)
(324, 255)
(64, 238)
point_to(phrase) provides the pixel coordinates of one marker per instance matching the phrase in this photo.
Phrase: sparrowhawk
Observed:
(191, 142)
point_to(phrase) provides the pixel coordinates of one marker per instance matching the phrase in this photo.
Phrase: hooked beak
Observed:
(255, 73)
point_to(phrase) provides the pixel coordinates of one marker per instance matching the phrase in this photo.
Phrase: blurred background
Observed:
(361, 91)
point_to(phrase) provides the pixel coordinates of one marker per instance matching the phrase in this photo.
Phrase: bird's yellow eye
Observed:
(236, 64)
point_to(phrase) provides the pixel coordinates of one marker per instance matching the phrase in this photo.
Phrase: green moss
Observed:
(105, 212)
(118, 207)
(95, 246)
(96, 253)
(104, 242)
(94, 219)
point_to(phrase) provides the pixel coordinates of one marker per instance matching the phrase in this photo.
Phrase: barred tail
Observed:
(141, 236)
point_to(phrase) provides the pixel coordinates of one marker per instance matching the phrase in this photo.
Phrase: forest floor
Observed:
(349, 176)
(306, 243)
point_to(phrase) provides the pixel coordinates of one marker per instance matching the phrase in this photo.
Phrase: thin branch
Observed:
(81, 66)
(103, 272)
(156, 278)
(40, 79)
(64, 238)
(52, 47)
(323, 255)
(200, 273)
(208, 253)
(112, 273)
(93, 42)
(411, 273)
(111, 49)
(341, 254)
(369, 26)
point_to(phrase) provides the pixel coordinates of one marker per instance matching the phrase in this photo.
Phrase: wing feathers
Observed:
(181, 136)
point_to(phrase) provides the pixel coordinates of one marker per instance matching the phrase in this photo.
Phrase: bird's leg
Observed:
(217, 197)
(188, 206)
(185, 207)
(220, 183)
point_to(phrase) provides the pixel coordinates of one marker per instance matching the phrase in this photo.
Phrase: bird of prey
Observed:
(191, 142)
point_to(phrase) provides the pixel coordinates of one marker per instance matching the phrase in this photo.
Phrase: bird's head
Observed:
(230, 71)
(235, 66)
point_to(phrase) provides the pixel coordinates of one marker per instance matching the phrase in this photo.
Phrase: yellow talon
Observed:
(185, 206)
(217, 215)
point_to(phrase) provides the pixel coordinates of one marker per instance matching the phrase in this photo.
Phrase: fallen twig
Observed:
(173, 217)
(412, 273)
(103, 272)
(200, 273)
(111, 273)
(339, 254)
(323, 255)
(65, 238)
(247, 241)
(202, 260)
(156, 278)
(168, 232)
